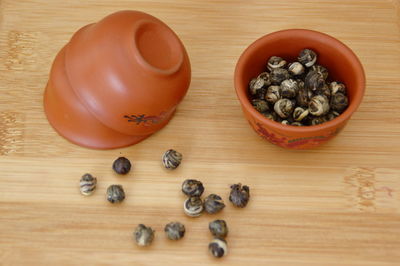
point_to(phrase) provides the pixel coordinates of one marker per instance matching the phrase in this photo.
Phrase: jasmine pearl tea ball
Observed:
(239, 195)
(218, 247)
(192, 188)
(171, 159)
(115, 194)
(143, 235)
(218, 228)
(174, 230)
(87, 184)
(122, 166)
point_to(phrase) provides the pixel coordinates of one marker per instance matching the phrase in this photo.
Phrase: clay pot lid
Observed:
(130, 70)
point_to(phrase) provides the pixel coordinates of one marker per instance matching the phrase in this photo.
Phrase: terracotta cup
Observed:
(342, 64)
(117, 81)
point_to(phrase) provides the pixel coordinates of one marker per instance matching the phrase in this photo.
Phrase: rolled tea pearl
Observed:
(174, 230)
(284, 107)
(307, 57)
(213, 204)
(218, 247)
(87, 184)
(275, 62)
(319, 105)
(171, 159)
(115, 193)
(143, 235)
(193, 206)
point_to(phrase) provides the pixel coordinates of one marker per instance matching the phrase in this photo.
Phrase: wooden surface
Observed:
(338, 204)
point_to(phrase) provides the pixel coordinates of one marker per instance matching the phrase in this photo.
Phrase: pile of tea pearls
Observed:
(298, 93)
(193, 206)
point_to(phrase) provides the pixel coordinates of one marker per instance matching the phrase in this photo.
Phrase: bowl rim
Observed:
(342, 118)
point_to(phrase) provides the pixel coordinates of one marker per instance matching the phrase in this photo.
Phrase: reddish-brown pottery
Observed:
(342, 63)
(117, 81)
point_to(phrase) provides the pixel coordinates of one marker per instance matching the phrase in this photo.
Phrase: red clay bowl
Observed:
(117, 81)
(72, 120)
(342, 64)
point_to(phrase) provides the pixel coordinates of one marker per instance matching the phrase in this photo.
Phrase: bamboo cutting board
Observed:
(337, 204)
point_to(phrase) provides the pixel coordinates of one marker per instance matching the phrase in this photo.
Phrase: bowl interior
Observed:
(341, 62)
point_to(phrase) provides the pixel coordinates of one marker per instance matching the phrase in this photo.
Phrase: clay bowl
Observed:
(117, 81)
(341, 62)
(70, 117)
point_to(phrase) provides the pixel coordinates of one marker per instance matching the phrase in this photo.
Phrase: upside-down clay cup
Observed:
(117, 81)
(342, 64)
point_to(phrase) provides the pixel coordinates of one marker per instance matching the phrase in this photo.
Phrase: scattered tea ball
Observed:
(307, 57)
(115, 194)
(171, 159)
(87, 184)
(174, 230)
(143, 235)
(239, 195)
(218, 228)
(218, 247)
(192, 188)
(213, 204)
(122, 166)
(193, 206)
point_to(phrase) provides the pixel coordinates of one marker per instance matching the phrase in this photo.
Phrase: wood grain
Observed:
(337, 204)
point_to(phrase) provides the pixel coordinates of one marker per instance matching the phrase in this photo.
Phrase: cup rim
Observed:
(245, 102)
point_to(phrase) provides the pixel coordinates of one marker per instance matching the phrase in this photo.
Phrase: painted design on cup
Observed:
(294, 143)
(146, 120)
(270, 136)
